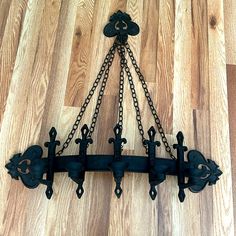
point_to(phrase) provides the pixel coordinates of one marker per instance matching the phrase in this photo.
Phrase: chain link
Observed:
(105, 69)
(100, 96)
(121, 51)
(150, 102)
(121, 90)
(109, 57)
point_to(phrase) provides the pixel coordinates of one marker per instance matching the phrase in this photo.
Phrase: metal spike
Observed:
(118, 190)
(49, 192)
(79, 191)
(181, 195)
(153, 192)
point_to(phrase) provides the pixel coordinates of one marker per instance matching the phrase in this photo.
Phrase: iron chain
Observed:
(105, 69)
(121, 51)
(121, 90)
(109, 57)
(100, 95)
(150, 102)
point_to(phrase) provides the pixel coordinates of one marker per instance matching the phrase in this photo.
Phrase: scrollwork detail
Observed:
(203, 171)
(28, 166)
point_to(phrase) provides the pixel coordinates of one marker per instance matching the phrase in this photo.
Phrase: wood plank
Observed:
(199, 59)
(165, 64)
(60, 66)
(164, 103)
(5, 8)
(79, 67)
(183, 116)
(231, 73)
(230, 31)
(200, 100)
(230, 39)
(150, 39)
(220, 148)
(9, 43)
(32, 63)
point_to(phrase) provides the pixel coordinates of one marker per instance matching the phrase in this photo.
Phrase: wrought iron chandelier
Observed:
(195, 173)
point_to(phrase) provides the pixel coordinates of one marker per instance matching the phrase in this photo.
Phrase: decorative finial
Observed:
(121, 25)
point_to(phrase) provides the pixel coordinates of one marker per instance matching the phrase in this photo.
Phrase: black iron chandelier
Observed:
(195, 173)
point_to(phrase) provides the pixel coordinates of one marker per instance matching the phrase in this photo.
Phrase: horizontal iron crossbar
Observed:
(138, 164)
(195, 173)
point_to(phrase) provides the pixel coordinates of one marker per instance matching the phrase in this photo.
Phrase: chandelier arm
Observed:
(121, 52)
(88, 99)
(150, 102)
(100, 96)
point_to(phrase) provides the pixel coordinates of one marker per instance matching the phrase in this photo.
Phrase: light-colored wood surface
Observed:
(50, 53)
(230, 42)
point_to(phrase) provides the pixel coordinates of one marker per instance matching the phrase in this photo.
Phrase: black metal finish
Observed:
(51, 158)
(195, 173)
(118, 165)
(30, 166)
(155, 176)
(121, 25)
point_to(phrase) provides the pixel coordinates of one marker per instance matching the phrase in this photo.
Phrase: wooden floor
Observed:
(50, 53)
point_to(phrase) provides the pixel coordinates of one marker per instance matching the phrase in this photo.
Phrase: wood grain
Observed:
(11, 27)
(29, 80)
(230, 39)
(5, 7)
(219, 117)
(79, 67)
(231, 72)
(182, 111)
(50, 54)
(230, 31)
